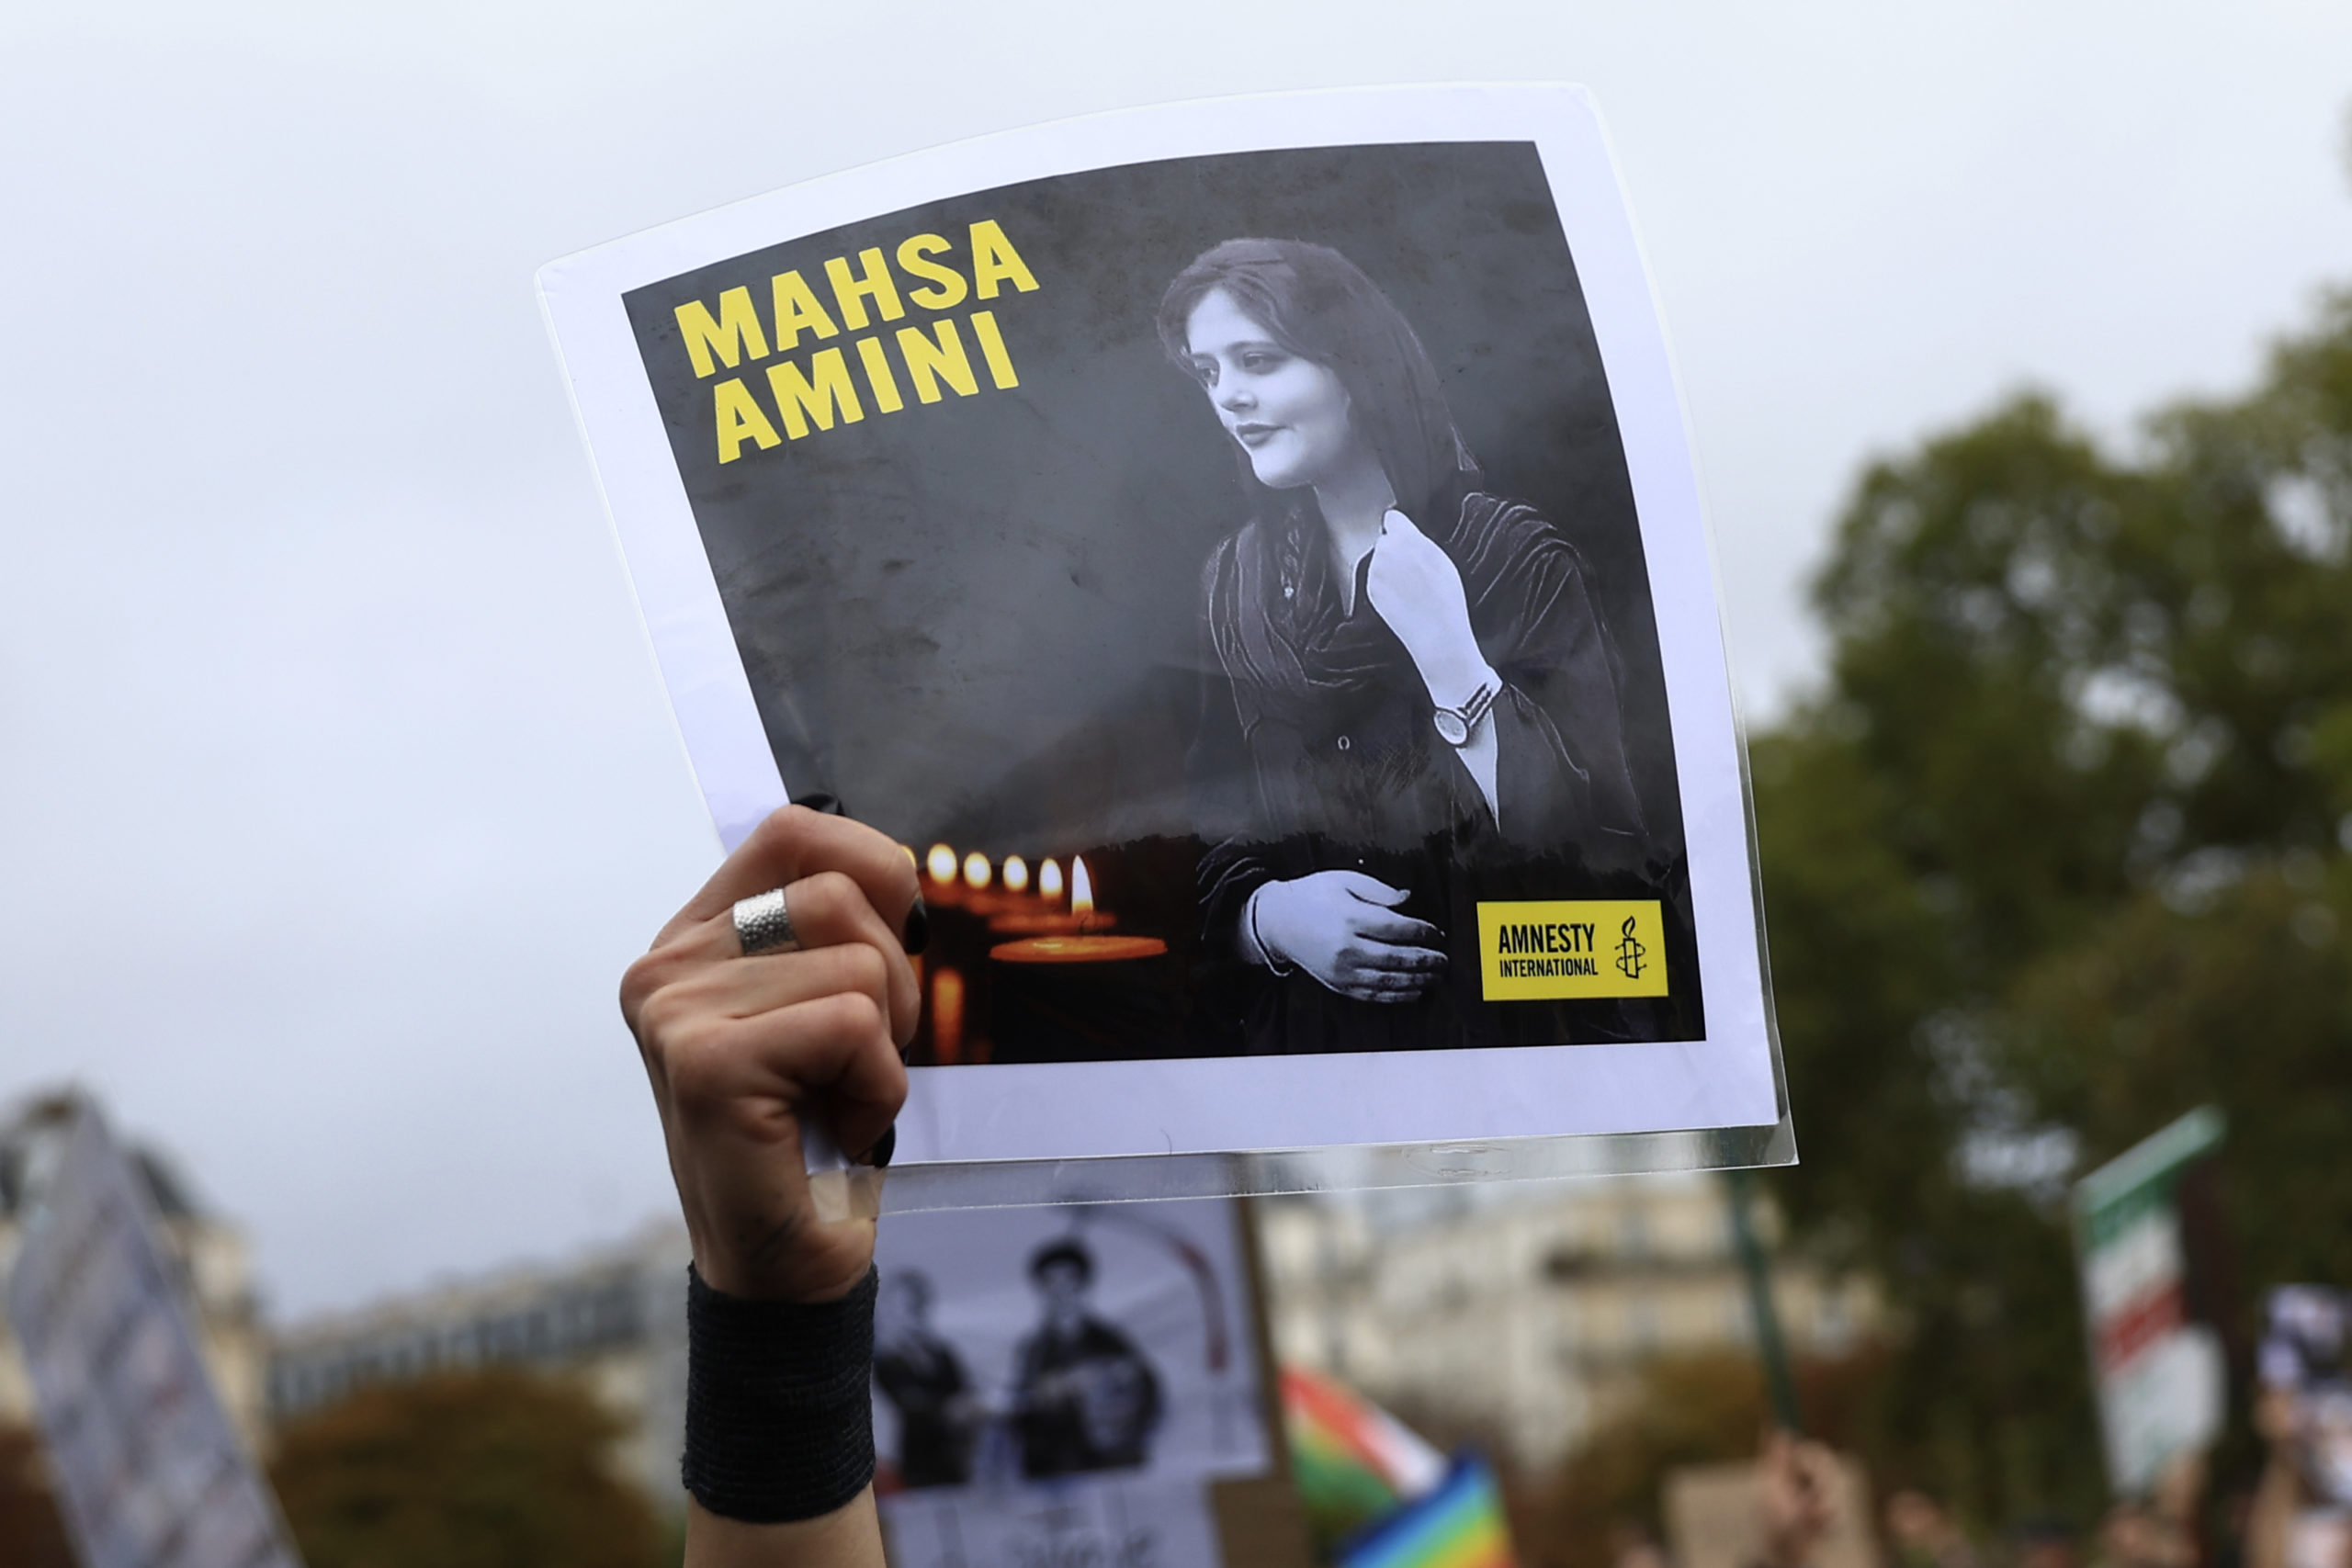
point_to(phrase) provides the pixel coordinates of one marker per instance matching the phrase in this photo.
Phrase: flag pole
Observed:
(1769, 1347)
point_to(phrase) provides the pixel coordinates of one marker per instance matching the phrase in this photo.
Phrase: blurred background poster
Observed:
(148, 1469)
(1060, 1380)
(1133, 1523)
(1713, 1517)
(2162, 1374)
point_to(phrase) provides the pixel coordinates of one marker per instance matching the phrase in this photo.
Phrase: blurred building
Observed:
(616, 1318)
(1525, 1308)
(209, 1254)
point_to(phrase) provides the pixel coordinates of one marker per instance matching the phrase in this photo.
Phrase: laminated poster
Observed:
(1063, 1385)
(1250, 553)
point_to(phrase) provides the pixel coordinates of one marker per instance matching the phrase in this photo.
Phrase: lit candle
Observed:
(946, 1017)
(978, 872)
(1040, 918)
(1016, 875)
(945, 884)
(1076, 991)
(1073, 938)
(1077, 949)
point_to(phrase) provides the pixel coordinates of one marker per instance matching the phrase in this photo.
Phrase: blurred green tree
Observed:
(493, 1469)
(2056, 852)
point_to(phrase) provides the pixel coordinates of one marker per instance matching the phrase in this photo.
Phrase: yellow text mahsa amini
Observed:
(819, 390)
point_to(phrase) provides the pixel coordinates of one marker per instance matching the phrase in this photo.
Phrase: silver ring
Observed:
(764, 923)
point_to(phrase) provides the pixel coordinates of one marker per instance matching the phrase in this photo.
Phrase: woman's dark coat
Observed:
(1317, 751)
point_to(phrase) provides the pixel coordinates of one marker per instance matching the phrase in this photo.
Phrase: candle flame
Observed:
(1082, 888)
(978, 872)
(943, 863)
(1049, 879)
(1016, 875)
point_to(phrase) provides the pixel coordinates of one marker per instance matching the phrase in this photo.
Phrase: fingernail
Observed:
(822, 800)
(879, 1157)
(916, 936)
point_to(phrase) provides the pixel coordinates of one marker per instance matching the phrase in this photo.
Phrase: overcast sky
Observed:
(338, 782)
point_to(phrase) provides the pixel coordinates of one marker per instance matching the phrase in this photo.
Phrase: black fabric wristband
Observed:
(779, 1406)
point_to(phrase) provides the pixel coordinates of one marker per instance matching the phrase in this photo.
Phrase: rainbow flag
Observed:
(1460, 1525)
(1352, 1461)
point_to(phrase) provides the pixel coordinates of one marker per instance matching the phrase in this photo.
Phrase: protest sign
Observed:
(149, 1471)
(1132, 1524)
(1250, 553)
(1715, 1516)
(1054, 1381)
(2161, 1373)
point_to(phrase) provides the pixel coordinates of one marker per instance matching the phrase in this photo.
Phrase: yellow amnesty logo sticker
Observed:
(1550, 951)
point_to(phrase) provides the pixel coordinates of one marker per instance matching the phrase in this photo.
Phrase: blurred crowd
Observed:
(2287, 1519)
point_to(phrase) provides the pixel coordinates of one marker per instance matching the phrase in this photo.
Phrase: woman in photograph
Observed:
(923, 1378)
(1412, 697)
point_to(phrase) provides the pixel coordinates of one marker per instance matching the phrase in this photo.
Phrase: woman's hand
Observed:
(738, 1048)
(1416, 589)
(1342, 927)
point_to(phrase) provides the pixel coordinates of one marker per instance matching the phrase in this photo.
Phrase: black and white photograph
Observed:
(1222, 579)
(1250, 586)
(1081, 1395)
(1022, 1347)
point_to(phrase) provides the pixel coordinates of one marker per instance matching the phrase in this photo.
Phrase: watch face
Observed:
(1449, 727)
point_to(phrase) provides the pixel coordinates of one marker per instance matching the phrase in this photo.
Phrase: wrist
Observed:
(1461, 710)
(1253, 936)
(779, 1411)
(1457, 682)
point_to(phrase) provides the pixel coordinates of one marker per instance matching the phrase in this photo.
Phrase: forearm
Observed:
(2273, 1517)
(1460, 679)
(849, 1537)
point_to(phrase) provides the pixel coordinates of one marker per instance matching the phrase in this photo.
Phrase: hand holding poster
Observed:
(1250, 553)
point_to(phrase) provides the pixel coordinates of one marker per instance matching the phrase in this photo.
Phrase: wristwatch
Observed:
(1455, 726)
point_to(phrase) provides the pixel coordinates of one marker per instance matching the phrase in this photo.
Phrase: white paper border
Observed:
(1206, 1105)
